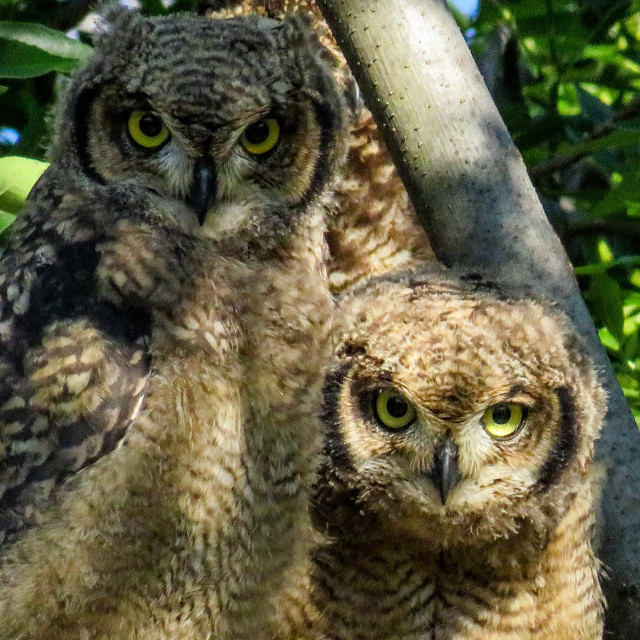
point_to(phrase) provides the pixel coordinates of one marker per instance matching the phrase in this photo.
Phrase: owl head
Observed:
(226, 125)
(456, 414)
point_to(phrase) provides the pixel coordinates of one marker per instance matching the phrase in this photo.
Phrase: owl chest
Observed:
(375, 597)
(384, 597)
(223, 518)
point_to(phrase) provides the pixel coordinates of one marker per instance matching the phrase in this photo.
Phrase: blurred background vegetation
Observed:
(564, 74)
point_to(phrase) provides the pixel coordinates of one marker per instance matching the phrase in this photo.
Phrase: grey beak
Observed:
(445, 473)
(204, 189)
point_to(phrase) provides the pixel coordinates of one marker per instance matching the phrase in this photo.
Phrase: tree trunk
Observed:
(471, 191)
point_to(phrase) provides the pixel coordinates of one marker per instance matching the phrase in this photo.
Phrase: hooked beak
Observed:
(204, 188)
(445, 473)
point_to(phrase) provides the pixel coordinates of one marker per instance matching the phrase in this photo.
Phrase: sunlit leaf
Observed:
(632, 299)
(28, 50)
(568, 102)
(5, 220)
(606, 255)
(633, 25)
(17, 176)
(603, 52)
(608, 340)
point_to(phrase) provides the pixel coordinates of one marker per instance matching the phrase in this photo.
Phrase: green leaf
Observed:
(461, 19)
(608, 340)
(17, 176)
(632, 299)
(565, 25)
(610, 141)
(628, 383)
(603, 267)
(630, 349)
(623, 137)
(153, 7)
(28, 50)
(604, 52)
(592, 107)
(605, 297)
(617, 198)
(568, 102)
(3, 89)
(5, 220)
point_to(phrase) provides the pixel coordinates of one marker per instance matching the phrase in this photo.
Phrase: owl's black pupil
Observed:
(150, 125)
(397, 407)
(257, 132)
(501, 415)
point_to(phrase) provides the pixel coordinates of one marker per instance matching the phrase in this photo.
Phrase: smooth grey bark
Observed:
(471, 191)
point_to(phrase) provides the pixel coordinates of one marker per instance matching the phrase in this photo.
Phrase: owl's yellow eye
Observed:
(393, 410)
(147, 129)
(504, 419)
(261, 136)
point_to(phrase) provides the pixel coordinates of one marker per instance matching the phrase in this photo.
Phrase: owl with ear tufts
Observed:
(457, 490)
(377, 230)
(165, 289)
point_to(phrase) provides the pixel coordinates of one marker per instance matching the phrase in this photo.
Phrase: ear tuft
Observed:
(119, 19)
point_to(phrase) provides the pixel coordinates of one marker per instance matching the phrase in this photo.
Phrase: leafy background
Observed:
(564, 74)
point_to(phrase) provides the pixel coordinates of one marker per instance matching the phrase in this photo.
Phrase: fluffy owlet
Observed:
(457, 491)
(377, 230)
(180, 224)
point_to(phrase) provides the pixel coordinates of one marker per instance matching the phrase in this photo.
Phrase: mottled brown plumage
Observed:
(437, 529)
(198, 525)
(376, 230)
(191, 241)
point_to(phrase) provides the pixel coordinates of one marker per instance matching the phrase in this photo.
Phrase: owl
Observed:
(377, 230)
(457, 491)
(165, 290)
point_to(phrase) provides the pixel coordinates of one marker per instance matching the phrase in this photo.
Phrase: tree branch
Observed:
(582, 149)
(471, 191)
